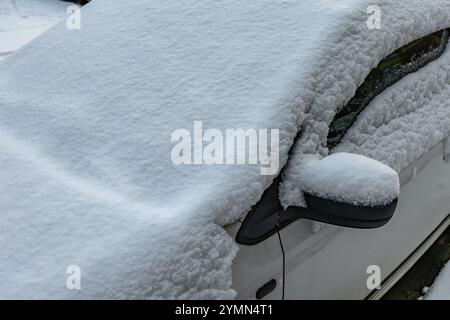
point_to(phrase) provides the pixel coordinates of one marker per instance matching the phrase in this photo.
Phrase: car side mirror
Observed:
(342, 189)
(349, 190)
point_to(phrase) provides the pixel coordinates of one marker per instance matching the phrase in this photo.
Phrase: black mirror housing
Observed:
(343, 189)
(348, 215)
(268, 217)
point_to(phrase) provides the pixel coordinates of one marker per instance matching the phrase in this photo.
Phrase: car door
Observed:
(337, 263)
(334, 262)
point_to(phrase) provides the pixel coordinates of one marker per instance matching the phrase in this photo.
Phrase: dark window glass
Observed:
(402, 62)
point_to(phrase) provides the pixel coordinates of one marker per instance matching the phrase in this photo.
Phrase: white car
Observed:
(106, 192)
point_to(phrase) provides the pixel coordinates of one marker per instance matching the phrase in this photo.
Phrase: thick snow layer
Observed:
(406, 121)
(440, 290)
(350, 178)
(403, 122)
(53, 219)
(86, 118)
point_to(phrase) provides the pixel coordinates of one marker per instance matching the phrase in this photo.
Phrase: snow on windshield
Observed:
(85, 134)
(86, 118)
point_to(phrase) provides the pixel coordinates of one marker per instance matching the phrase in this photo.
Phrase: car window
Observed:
(402, 62)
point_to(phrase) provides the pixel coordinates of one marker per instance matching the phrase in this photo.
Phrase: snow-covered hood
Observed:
(86, 118)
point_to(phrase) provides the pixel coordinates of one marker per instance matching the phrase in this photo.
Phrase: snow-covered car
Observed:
(119, 180)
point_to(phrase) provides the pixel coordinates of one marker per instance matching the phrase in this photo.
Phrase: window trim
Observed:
(339, 126)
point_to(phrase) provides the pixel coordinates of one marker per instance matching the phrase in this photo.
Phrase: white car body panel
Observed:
(332, 262)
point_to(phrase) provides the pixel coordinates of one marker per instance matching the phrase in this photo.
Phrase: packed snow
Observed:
(406, 121)
(23, 20)
(86, 118)
(440, 290)
(350, 178)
